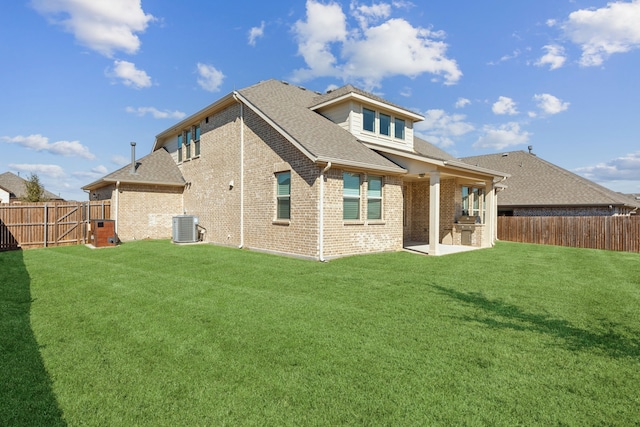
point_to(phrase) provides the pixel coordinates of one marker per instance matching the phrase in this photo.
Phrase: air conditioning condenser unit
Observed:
(185, 229)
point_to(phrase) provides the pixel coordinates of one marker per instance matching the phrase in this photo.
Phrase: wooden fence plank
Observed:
(615, 233)
(48, 224)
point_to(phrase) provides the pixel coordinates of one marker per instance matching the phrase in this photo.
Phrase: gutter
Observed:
(236, 98)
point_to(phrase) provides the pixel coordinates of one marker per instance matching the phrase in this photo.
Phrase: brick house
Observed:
(540, 188)
(278, 168)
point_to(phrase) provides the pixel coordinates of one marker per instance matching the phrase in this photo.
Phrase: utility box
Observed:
(103, 233)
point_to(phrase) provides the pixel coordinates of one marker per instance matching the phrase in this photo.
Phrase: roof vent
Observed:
(505, 154)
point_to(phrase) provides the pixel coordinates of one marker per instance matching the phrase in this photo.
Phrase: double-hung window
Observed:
(351, 196)
(368, 120)
(398, 128)
(374, 197)
(385, 124)
(179, 147)
(187, 142)
(283, 196)
(196, 140)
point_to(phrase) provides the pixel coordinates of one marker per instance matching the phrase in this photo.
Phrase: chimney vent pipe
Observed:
(133, 157)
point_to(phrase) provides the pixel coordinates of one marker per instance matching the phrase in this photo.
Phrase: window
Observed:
(187, 142)
(368, 120)
(385, 124)
(283, 209)
(196, 141)
(180, 147)
(473, 202)
(374, 198)
(351, 196)
(398, 128)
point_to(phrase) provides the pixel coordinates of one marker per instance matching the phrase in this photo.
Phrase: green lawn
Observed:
(150, 333)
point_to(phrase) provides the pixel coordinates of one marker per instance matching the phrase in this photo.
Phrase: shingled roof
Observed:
(287, 107)
(157, 168)
(17, 189)
(534, 182)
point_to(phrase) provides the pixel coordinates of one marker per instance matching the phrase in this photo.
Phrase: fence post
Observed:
(46, 221)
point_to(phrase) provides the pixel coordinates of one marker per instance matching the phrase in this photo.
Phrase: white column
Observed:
(434, 212)
(492, 213)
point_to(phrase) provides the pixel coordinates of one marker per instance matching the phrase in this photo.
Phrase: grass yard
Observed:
(150, 333)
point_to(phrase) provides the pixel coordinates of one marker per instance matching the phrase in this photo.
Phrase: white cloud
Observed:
(504, 136)
(38, 142)
(626, 168)
(366, 15)
(95, 172)
(440, 128)
(53, 171)
(549, 104)
(210, 78)
(255, 33)
(409, 51)
(105, 26)
(605, 31)
(555, 57)
(504, 105)
(120, 160)
(325, 24)
(462, 102)
(155, 113)
(130, 75)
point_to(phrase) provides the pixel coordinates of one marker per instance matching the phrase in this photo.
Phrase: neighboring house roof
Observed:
(157, 168)
(536, 182)
(15, 185)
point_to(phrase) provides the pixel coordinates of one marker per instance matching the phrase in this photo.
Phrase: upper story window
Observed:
(368, 120)
(196, 140)
(398, 128)
(387, 125)
(187, 142)
(179, 147)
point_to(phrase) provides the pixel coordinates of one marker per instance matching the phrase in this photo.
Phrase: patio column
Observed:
(492, 215)
(434, 212)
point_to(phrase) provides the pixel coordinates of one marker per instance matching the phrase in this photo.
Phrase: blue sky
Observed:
(80, 79)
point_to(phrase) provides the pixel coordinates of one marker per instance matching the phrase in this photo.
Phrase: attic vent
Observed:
(185, 229)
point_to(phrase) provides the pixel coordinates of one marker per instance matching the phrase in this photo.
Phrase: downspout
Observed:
(241, 170)
(321, 214)
(117, 204)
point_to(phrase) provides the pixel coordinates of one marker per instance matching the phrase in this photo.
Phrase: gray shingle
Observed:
(156, 168)
(536, 182)
(288, 107)
(15, 185)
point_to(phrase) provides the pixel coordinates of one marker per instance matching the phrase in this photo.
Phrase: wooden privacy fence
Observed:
(615, 233)
(48, 224)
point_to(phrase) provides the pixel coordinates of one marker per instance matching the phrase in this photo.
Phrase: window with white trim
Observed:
(385, 124)
(179, 147)
(368, 120)
(283, 195)
(374, 197)
(351, 196)
(187, 143)
(398, 128)
(196, 140)
(473, 202)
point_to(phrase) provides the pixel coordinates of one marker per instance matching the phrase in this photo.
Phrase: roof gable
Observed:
(536, 182)
(157, 168)
(16, 186)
